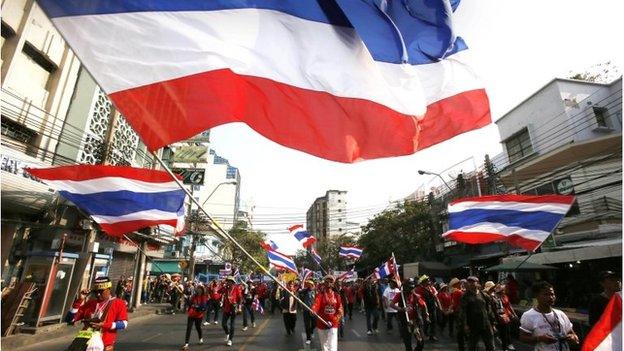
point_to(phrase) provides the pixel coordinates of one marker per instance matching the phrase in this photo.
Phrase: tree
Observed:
(250, 240)
(600, 73)
(407, 230)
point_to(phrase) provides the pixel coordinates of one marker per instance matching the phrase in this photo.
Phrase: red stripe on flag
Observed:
(335, 128)
(484, 238)
(120, 228)
(610, 318)
(87, 172)
(559, 199)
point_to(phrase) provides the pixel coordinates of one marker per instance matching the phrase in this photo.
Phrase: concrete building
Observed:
(327, 216)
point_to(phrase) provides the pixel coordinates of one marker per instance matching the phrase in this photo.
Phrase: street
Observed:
(166, 332)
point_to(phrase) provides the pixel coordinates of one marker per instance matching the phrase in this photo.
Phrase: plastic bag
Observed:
(95, 343)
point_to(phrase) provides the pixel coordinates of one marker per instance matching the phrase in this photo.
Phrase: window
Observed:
(339, 219)
(602, 116)
(17, 131)
(518, 145)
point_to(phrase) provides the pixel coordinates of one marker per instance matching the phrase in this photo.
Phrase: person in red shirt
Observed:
(457, 291)
(196, 308)
(350, 293)
(214, 301)
(104, 313)
(328, 305)
(444, 296)
(78, 302)
(416, 310)
(232, 304)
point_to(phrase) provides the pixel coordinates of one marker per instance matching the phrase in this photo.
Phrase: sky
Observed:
(517, 47)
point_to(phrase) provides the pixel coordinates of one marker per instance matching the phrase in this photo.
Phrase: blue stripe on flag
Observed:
(119, 203)
(545, 221)
(302, 234)
(426, 30)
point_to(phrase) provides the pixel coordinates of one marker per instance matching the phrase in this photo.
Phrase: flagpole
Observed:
(401, 285)
(217, 228)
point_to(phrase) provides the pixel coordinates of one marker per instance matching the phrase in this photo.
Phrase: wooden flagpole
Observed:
(219, 230)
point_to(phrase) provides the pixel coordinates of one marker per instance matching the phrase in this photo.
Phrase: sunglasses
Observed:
(99, 291)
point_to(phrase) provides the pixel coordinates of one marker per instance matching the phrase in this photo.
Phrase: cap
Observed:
(423, 278)
(442, 286)
(229, 277)
(488, 285)
(454, 282)
(472, 278)
(499, 288)
(102, 283)
(607, 274)
(309, 282)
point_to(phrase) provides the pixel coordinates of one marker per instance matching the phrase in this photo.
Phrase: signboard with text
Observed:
(192, 176)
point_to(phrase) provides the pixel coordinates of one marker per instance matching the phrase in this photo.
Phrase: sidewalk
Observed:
(63, 330)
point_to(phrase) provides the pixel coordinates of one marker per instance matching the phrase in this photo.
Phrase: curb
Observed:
(62, 330)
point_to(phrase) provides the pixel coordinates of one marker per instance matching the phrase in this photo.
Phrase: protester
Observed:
(288, 305)
(196, 306)
(328, 306)
(416, 311)
(610, 283)
(477, 316)
(512, 289)
(231, 301)
(214, 302)
(78, 302)
(372, 302)
(547, 328)
(121, 287)
(455, 319)
(343, 297)
(249, 295)
(429, 293)
(446, 308)
(105, 313)
(504, 315)
(350, 292)
(388, 296)
(307, 295)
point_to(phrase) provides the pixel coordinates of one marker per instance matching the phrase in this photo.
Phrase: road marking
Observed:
(252, 337)
(151, 337)
(356, 333)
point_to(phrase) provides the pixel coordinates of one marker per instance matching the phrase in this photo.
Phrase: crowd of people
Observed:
(423, 310)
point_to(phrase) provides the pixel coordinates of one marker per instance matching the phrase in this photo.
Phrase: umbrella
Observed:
(519, 266)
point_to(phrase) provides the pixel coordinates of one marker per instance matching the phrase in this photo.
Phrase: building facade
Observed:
(327, 216)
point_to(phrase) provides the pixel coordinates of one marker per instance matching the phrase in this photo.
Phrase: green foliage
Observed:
(408, 230)
(250, 240)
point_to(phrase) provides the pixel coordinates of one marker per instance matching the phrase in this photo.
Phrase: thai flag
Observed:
(342, 80)
(350, 251)
(316, 256)
(521, 220)
(119, 199)
(306, 239)
(305, 274)
(385, 270)
(347, 275)
(279, 260)
(257, 306)
(269, 245)
(606, 335)
(224, 272)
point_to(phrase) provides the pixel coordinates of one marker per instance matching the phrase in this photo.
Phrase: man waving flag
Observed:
(342, 80)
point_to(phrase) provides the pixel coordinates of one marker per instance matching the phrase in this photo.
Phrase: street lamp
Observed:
(421, 172)
(232, 182)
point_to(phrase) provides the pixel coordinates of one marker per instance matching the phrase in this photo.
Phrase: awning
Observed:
(573, 255)
(510, 266)
(160, 267)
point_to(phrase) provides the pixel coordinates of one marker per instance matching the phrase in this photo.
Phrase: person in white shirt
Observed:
(388, 296)
(547, 328)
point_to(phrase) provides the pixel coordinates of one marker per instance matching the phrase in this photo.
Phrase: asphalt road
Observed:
(166, 332)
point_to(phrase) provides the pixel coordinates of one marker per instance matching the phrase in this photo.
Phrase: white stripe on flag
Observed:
(513, 206)
(498, 228)
(260, 43)
(99, 185)
(136, 216)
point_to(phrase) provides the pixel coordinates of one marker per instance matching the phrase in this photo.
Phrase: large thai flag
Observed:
(350, 251)
(606, 335)
(280, 260)
(522, 220)
(343, 80)
(303, 236)
(119, 199)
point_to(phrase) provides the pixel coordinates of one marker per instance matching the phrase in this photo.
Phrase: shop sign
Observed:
(564, 186)
(192, 176)
(191, 154)
(16, 166)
